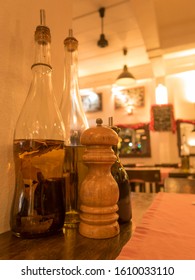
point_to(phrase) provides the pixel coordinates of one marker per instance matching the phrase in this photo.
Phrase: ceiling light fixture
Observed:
(102, 42)
(125, 78)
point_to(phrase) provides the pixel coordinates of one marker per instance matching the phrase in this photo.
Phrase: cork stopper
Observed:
(42, 33)
(99, 135)
(71, 43)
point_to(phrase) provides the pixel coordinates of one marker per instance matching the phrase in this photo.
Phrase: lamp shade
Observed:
(125, 78)
(102, 42)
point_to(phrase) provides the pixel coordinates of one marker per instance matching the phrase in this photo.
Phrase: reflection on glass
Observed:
(185, 127)
(134, 140)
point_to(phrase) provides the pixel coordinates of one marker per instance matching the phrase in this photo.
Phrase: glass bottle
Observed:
(75, 122)
(120, 175)
(38, 205)
(185, 154)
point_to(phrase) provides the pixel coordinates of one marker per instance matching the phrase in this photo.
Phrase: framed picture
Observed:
(132, 96)
(162, 118)
(92, 102)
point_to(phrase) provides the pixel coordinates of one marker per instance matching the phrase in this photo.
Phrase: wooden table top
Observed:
(70, 245)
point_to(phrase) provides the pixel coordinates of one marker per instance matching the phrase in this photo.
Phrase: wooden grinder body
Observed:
(99, 191)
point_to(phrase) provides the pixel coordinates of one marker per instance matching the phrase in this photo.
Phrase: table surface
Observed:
(70, 245)
(167, 230)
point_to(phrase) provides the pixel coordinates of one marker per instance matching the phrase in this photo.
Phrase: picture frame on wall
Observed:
(130, 96)
(162, 118)
(92, 102)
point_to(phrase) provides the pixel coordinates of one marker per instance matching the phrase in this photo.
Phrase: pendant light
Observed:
(102, 42)
(125, 79)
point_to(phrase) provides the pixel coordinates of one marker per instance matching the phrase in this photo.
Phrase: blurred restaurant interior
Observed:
(159, 38)
(152, 40)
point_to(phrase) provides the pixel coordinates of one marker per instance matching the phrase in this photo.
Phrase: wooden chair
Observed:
(179, 185)
(144, 180)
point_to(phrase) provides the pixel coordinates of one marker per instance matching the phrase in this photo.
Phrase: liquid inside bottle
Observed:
(74, 174)
(39, 201)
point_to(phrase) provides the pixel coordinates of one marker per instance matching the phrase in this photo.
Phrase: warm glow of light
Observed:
(116, 89)
(86, 91)
(129, 109)
(161, 94)
(92, 96)
(179, 54)
(189, 86)
(125, 82)
(191, 138)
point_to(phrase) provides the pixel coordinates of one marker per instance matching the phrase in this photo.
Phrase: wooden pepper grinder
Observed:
(99, 191)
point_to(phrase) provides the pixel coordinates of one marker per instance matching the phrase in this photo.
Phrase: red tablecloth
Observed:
(167, 230)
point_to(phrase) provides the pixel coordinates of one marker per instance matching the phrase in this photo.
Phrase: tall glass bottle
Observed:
(121, 177)
(75, 122)
(38, 205)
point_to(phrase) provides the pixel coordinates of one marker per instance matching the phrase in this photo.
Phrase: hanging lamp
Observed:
(125, 78)
(102, 42)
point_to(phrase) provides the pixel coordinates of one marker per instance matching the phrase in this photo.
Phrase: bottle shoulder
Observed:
(39, 117)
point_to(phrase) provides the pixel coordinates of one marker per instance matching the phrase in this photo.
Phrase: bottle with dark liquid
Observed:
(121, 177)
(75, 122)
(38, 205)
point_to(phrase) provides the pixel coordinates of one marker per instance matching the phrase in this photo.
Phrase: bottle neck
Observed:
(71, 104)
(42, 55)
(42, 70)
(42, 46)
(115, 149)
(70, 70)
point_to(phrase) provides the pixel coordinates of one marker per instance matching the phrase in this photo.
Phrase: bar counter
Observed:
(70, 245)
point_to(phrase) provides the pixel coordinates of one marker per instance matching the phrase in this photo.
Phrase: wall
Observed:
(18, 20)
(163, 144)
